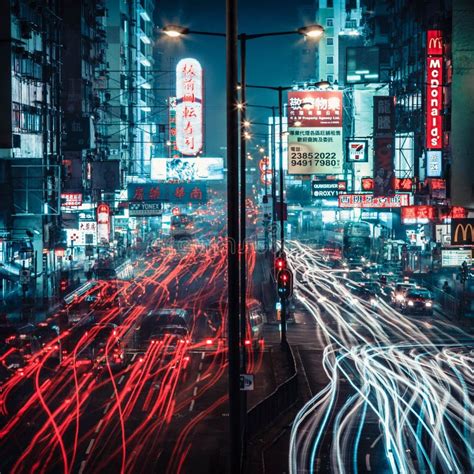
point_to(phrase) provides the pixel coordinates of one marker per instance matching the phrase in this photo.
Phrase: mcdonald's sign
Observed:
(434, 42)
(434, 90)
(462, 232)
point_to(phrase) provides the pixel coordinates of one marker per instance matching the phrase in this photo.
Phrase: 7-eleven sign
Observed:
(357, 151)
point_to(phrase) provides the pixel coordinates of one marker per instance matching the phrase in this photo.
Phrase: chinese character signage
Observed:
(169, 192)
(434, 90)
(384, 145)
(327, 188)
(433, 163)
(370, 201)
(400, 184)
(173, 150)
(357, 151)
(189, 107)
(71, 199)
(417, 214)
(103, 223)
(315, 143)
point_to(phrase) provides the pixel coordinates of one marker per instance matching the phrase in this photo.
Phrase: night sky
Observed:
(269, 60)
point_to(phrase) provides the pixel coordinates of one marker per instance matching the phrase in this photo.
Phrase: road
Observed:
(128, 409)
(389, 392)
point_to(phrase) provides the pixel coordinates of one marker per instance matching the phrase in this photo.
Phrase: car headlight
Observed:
(373, 301)
(410, 303)
(428, 304)
(399, 297)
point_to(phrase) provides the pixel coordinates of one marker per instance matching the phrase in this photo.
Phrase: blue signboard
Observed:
(168, 192)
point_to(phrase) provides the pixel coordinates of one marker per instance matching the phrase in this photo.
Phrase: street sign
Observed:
(144, 208)
(246, 382)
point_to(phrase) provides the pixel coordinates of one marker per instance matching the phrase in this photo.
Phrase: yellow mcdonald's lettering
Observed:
(464, 232)
(435, 42)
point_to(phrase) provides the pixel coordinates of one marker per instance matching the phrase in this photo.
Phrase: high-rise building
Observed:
(30, 145)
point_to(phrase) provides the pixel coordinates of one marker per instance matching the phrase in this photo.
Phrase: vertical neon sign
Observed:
(434, 90)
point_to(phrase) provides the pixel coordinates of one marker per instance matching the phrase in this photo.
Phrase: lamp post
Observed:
(234, 282)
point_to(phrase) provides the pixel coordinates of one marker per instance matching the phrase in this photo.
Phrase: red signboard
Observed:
(434, 90)
(71, 199)
(400, 184)
(417, 214)
(455, 212)
(315, 109)
(370, 201)
(367, 184)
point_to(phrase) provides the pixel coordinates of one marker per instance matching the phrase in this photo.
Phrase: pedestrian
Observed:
(446, 287)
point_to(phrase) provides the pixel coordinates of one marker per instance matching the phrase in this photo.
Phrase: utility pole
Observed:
(233, 237)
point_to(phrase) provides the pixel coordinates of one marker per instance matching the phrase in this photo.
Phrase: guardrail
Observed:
(280, 400)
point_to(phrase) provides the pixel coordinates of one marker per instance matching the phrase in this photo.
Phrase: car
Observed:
(171, 334)
(398, 293)
(417, 300)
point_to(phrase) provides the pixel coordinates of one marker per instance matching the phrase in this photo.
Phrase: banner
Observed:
(315, 144)
(187, 169)
(384, 145)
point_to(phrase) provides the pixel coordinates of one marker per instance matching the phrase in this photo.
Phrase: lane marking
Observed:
(376, 441)
(195, 391)
(134, 356)
(121, 379)
(202, 356)
(367, 462)
(198, 378)
(88, 450)
(200, 367)
(106, 408)
(98, 426)
(191, 407)
(83, 466)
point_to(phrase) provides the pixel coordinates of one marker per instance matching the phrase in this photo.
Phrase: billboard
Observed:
(315, 144)
(384, 145)
(187, 169)
(103, 223)
(462, 232)
(173, 150)
(434, 89)
(357, 151)
(189, 107)
(370, 201)
(195, 192)
(71, 199)
(327, 188)
(455, 258)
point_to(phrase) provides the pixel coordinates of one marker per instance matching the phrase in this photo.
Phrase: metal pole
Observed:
(282, 220)
(243, 233)
(233, 236)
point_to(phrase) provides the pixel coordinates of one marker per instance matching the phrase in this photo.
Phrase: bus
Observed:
(181, 226)
(350, 239)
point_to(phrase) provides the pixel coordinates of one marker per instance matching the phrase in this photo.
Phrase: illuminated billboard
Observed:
(189, 107)
(187, 169)
(315, 143)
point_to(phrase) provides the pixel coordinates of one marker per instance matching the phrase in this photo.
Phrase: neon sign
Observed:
(434, 90)
(189, 107)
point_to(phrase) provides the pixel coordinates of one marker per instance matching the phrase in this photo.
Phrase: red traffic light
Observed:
(285, 283)
(280, 263)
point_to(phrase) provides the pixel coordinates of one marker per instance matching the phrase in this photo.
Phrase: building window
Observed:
(330, 78)
(330, 41)
(330, 4)
(330, 22)
(330, 60)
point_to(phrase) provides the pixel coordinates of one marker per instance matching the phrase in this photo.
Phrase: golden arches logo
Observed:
(435, 43)
(464, 229)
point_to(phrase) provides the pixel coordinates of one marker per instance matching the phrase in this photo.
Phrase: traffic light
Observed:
(63, 285)
(280, 264)
(463, 272)
(285, 283)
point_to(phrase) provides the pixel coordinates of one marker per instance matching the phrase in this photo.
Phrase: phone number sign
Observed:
(315, 150)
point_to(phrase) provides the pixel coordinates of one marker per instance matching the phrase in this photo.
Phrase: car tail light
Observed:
(247, 342)
(208, 342)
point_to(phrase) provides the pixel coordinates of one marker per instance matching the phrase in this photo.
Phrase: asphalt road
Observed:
(163, 408)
